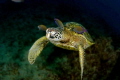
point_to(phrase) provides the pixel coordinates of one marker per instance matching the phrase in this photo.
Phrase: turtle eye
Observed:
(51, 36)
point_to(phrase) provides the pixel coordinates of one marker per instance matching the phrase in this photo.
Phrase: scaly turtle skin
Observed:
(71, 36)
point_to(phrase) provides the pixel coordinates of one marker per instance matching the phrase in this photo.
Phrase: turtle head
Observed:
(54, 34)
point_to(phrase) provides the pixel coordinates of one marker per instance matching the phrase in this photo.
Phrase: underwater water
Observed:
(18, 31)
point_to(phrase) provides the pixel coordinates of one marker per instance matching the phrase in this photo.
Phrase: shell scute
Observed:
(79, 29)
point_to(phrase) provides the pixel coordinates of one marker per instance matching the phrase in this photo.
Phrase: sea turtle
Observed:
(71, 36)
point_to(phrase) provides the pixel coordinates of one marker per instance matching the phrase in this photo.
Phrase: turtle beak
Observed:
(48, 35)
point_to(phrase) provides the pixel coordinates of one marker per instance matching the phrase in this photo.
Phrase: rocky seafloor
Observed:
(18, 31)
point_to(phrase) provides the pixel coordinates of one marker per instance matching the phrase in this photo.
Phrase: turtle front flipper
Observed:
(59, 23)
(81, 59)
(42, 27)
(76, 27)
(36, 49)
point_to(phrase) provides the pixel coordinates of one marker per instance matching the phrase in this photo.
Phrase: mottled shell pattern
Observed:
(71, 36)
(78, 28)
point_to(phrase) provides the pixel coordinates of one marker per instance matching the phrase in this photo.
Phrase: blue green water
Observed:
(18, 31)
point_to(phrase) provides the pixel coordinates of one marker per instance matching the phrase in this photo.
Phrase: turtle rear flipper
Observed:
(36, 49)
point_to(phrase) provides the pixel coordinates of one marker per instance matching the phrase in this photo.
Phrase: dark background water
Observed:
(19, 21)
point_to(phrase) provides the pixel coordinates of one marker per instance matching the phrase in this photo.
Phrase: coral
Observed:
(62, 64)
(99, 62)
